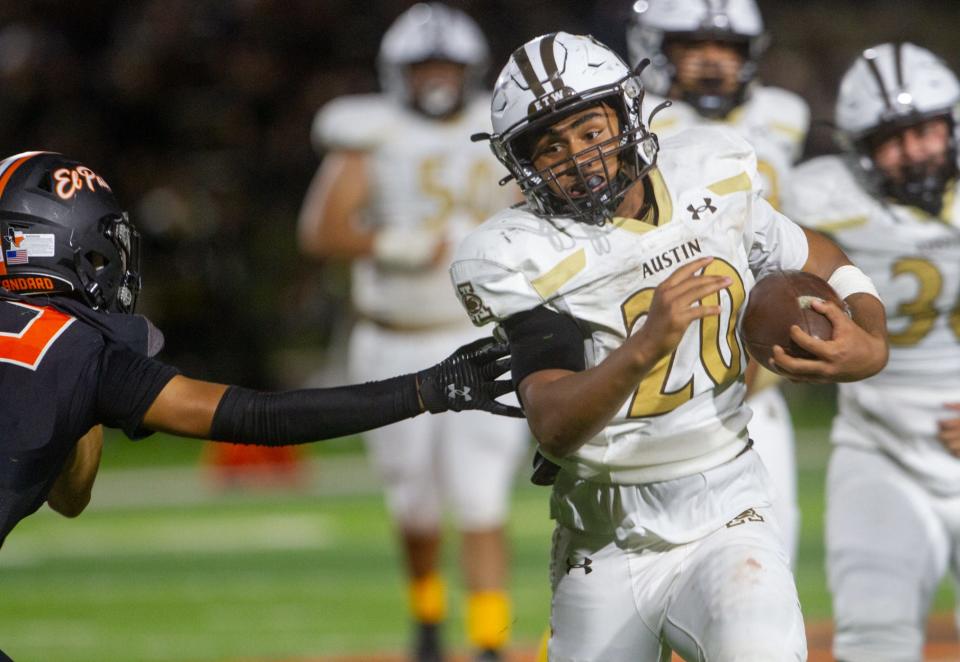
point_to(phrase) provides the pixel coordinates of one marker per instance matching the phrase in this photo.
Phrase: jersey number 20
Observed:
(652, 397)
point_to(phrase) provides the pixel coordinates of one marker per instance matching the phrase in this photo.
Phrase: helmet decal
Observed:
(526, 70)
(68, 181)
(553, 74)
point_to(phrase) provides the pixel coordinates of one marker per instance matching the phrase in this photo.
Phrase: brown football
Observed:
(777, 302)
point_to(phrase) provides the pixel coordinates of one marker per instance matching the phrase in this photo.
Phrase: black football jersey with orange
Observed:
(62, 371)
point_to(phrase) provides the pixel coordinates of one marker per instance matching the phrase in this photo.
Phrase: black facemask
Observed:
(713, 105)
(922, 187)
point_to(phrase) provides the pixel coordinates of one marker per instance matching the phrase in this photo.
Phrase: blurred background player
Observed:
(619, 289)
(400, 184)
(893, 485)
(704, 57)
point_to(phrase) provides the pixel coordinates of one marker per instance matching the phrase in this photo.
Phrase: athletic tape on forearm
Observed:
(295, 417)
(849, 280)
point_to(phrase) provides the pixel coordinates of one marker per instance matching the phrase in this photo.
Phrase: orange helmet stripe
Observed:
(14, 163)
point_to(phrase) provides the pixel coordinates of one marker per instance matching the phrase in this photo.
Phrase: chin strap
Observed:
(92, 291)
(666, 103)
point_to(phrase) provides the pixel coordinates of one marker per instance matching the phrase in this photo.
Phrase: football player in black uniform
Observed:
(73, 355)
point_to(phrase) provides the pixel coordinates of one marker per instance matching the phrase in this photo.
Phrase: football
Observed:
(777, 302)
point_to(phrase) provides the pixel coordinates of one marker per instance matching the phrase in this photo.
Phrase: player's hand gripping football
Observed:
(467, 379)
(851, 354)
(673, 309)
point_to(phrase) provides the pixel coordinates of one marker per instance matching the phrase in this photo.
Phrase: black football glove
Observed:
(467, 379)
(544, 471)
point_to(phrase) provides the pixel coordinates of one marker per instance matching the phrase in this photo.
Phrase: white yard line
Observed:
(213, 533)
(191, 485)
(336, 475)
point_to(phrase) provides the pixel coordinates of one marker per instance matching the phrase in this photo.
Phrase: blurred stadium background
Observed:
(198, 113)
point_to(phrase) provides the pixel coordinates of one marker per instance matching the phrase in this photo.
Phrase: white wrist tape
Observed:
(405, 248)
(849, 280)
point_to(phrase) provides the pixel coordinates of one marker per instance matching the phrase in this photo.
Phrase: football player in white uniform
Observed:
(400, 185)
(619, 285)
(703, 57)
(893, 487)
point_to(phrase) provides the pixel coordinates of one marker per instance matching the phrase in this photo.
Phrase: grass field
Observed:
(163, 567)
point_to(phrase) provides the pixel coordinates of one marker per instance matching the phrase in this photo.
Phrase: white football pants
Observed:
(772, 432)
(889, 543)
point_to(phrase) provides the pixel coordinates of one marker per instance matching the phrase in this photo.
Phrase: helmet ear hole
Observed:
(98, 260)
(46, 182)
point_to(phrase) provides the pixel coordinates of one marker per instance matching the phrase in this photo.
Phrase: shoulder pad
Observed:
(783, 116)
(494, 268)
(358, 122)
(784, 107)
(708, 156)
(672, 119)
(824, 194)
(715, 140)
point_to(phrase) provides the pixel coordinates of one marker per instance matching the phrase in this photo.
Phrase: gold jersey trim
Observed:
(662, 124)
(792, 132)
(659, 213)
(567, 268)
(843, 224)
(733, 184)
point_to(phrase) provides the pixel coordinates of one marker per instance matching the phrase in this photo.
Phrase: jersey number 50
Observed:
(652, 397)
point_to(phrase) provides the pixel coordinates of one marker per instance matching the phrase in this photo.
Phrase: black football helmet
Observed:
(62, 232)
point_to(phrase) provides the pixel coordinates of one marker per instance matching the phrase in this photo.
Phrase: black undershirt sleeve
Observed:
(294, 417)
(129, 383)
(541, 339)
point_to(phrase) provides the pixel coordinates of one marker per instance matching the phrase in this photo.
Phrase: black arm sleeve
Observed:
(541, 339)
(295, 417)
(129, 383)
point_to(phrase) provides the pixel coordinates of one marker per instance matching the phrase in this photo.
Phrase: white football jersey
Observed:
(772, 119)
(424, 174)
(914, 261)
(687, 415)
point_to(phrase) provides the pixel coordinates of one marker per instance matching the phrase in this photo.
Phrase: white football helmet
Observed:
(547, 79)
(890, 87)
(430, 31)
(654, 23)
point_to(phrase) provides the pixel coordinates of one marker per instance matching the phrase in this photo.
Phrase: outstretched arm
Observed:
(464, 380)
(71, 491)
